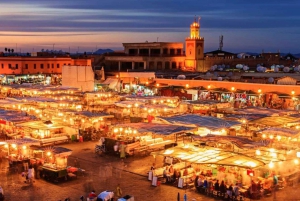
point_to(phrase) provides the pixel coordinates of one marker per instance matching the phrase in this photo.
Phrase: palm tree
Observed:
(5, 49)
(12, 51)
(8, 50)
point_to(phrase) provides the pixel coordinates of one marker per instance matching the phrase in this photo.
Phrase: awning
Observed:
(112, 82)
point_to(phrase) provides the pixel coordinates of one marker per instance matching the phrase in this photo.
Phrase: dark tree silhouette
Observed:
(5, 49)
(12, 50)
(8, 50)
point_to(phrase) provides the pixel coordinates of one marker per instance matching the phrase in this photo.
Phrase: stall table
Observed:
(54, 174)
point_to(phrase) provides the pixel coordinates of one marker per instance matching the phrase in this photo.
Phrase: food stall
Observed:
(53, 160)
(48, 132)
(18, 152)
(204, 124)
(208, 106)
(140, 137)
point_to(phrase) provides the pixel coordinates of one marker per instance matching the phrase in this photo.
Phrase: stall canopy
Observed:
(248, 117)
(240, 142)
(40, 125)
(210, 156)
(111, 82)
(209, 122)
(89, 114)
(56, 151)
(265, 111)
(14, 116)
(23, 141)
(276, 121)
(161, 129)
(288, 132)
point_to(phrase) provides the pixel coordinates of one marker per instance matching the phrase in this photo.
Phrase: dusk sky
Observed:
(250, 25)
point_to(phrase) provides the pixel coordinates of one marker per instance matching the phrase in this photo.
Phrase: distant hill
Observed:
(102, 51)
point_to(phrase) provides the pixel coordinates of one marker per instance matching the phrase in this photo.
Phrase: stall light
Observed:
(129, 106)
(271, 164)
(6, 146)
(257, 152)
(14, 146)
(208, 86)
(48, 153)
(24, 147)
(232, 88)
(298, 154)
(101, 119)
(187, 85)
(82, 120)
(147, 83)
(274, 155)
(116, 130)
(165, 109)
(244, 121)
(293, 92)
(251, 164)
(296, 161)
(278, 137)
(121, 129)
(168, 151)
(134, 131)
(157, 85)
(272, 150)
(297, 127)
(136, 105)
(259, 91)
(238, 162)
(271, 137)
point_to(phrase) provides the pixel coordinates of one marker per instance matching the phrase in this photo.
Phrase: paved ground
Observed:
(104, 173)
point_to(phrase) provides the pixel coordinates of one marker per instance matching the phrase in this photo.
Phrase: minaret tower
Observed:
(194, 46)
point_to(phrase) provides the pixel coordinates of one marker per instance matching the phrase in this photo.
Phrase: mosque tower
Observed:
(194, 48)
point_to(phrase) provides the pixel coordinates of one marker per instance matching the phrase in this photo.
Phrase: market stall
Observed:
(208, 106)
(53, 161)
(205, 124)
(18, 152)
(47, 132)
(140, 137)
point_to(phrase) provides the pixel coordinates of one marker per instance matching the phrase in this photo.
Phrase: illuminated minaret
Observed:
(194, 46)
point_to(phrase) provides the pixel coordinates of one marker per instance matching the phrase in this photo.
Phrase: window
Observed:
(2, 65)
(42, 66)
(9, 65)
(52, 65)
(57, 65)
(34, 66)
(26, 66)
(199, 51)
(17, 66)
(69, 64)
(48, 65)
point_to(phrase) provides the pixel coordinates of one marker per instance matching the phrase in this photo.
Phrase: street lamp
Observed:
(293, 92)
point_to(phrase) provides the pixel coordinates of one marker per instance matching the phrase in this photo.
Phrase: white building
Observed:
(81, 77)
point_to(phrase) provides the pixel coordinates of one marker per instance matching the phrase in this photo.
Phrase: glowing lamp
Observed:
(271, 164)
(48, 153)
(293, 92)
(232, 88)
(24, 147)
(257, 152)
(6, 146)
(157, 85)
(296, 161)
(264, 135)
(259, 91)
(14, 145)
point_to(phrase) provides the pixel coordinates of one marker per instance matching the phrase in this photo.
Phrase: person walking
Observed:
(30, 174)
(118, 191)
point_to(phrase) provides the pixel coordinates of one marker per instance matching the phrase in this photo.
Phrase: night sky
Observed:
(247, 26)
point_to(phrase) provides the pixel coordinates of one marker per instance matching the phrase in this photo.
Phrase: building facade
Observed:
(18, 65)
(168, 56)
(160, 55)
